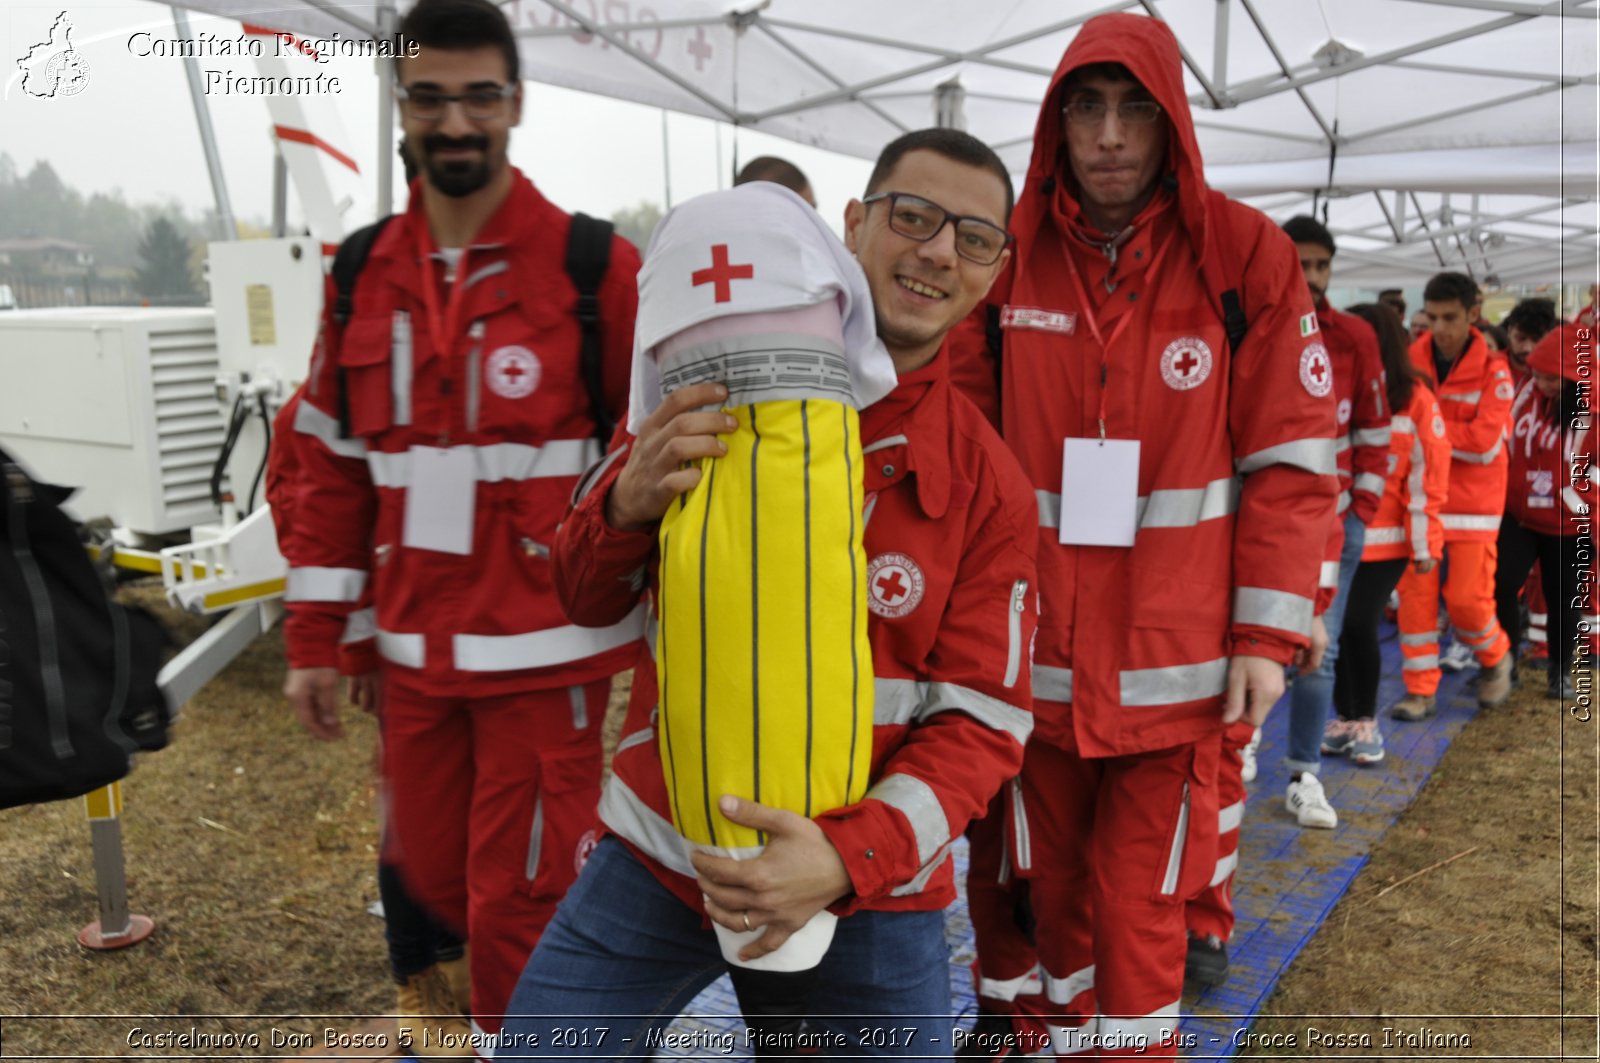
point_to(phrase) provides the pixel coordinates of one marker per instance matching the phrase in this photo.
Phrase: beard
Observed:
(456, 178)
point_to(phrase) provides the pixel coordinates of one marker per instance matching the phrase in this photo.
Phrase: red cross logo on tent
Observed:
(722, 274)
(1316, 371)
(699, 49)
(894, 585)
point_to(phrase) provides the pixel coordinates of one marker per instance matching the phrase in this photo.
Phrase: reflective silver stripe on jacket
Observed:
(495, 461)
(400, 648)
(1371, 437)
(915, 800)
(1417, 504)
(905, 701)
(596, 472)
(401, 363)
(1461, 396)
(540, 649)
(1313, 455)
(1273, 608)
(360, 625)
(1052, 684)
(312, 584)
(1173, 507)
(1341, 444)
(310, 421)
(1344, 503)
(1329, 577)
(1370, 482)
(1472, 457)
(1385, 536)
(624, 812)
(1175, 684)
(1064, 990)
(1403, 423)
(1470, 522)
(923, 877)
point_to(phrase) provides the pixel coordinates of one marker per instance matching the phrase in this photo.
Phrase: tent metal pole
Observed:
(387, 21)
(280, 193)
(1283, 64)
(1398, 238)
(783, 43)
(1219, 47)
(1422, 216)
(208, 135)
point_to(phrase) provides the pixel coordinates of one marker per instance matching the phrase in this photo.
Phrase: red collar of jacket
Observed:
(521, 220)
(919, 409)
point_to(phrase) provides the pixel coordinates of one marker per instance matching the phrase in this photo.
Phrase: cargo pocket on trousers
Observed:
(1191, 838)
(565, 810)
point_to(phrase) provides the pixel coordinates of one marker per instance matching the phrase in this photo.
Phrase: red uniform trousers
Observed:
(1006, 974)
(1212, 911)
(1112, 847)
(1469, 600)
(493, 803)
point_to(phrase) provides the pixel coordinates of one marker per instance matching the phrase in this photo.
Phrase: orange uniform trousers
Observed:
(1469, 601)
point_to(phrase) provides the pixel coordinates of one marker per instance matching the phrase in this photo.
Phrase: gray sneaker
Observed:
(1337, 736)
(1366, 741)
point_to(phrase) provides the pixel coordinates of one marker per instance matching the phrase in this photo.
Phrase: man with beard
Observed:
(444, 425)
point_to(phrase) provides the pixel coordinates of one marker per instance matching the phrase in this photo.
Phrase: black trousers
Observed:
(1519, 549)
(1360, 663)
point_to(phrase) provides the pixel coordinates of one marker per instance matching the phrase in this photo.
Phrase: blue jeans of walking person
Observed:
(1311, 696)
(623, 954)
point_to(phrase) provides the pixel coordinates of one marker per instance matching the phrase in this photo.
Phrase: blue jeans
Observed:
(624, 954)
(1311, 697)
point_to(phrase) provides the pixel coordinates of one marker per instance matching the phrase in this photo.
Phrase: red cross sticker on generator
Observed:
(894, 585)
(722, 274)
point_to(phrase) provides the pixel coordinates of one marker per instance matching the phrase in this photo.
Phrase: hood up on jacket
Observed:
(1566, 351)
(1148, 48)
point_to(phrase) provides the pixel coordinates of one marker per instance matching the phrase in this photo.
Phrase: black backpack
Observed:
(78, 693)
(588, 256)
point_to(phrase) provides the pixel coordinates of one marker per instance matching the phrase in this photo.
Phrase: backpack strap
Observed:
(348, 262)
(994, 338)
(1223, 271)
(588, 257)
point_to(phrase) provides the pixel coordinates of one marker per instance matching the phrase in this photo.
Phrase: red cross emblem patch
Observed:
(894, 585)
(1316, 371)
(721, 274)
(1186, 363)
(512, 372)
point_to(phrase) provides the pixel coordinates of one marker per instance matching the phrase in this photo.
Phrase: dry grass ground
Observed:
(252, 846)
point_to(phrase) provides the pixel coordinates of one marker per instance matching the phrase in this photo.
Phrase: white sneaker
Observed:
(1247, 770)
(1309, 803)
(1457, 658)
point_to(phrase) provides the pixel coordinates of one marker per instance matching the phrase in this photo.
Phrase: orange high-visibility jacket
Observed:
(1407, 523)
(1475, 397)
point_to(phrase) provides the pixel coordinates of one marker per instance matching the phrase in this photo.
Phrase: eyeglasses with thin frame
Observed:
(915, 218)
(1091, 111)
(427, 105)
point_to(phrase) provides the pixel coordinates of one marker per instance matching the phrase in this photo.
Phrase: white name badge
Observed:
(1099, 492)
(440, 500)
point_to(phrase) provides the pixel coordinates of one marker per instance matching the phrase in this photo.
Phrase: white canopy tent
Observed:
(1435, 133)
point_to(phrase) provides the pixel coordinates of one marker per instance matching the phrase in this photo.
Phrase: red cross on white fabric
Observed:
(892, 586)
(1186, 363)
(722, 274)
(699, 49)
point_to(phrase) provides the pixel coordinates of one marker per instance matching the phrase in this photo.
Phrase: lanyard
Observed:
(443, 330)
(1116, 331)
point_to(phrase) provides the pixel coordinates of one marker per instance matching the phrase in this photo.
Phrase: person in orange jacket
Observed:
(1474, 389)
(1405, 529)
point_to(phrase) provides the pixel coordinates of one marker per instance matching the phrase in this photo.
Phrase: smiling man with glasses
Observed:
(445, 423)
(1184, 470)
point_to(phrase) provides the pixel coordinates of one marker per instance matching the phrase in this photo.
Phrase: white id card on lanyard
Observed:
(1099, 492)
(440, 500)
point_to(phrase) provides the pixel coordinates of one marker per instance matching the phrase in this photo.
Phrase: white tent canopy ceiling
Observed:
(1436, 133)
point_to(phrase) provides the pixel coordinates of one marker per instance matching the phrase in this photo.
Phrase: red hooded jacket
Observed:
(1237, 485)
(1553, 451)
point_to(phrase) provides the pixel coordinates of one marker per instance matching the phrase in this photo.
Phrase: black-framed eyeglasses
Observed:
(920, 219)
(427, 105)
(1091, 110)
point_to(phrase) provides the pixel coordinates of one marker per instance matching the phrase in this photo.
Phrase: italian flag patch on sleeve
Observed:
(1308, 324)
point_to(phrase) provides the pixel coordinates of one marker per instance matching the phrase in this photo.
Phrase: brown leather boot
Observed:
(1414, 707)
(1495, 686)
(431, 1027)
